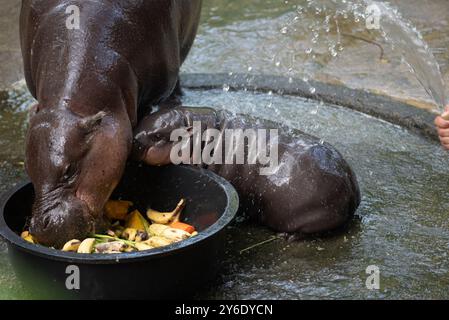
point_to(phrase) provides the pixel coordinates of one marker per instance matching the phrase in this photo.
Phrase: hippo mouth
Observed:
(64, 219)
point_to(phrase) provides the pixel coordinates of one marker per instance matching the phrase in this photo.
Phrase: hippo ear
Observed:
(90, 123)
(34, 110)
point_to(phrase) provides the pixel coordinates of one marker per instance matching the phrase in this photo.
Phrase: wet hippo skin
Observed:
(313, 189)
(92, 85)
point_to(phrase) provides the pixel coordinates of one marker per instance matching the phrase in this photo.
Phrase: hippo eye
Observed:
(158, 137)
(69, 171)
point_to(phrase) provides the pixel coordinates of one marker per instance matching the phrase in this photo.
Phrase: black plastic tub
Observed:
(175, 271)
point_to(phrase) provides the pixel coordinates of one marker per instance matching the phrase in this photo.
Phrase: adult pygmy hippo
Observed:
(311, 190)
(91, 84)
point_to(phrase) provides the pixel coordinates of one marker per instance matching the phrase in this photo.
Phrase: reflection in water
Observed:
(414, 50)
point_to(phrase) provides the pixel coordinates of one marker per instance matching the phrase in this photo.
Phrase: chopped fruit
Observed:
(182, 226)
(117, 209)
(27, 237)
(166, 217)
(72, 246)
(87, 246)
(137, 221)
(132, 232)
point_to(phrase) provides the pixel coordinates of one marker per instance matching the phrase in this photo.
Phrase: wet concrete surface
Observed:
(10, 55)
(226, 26)
(256, 43)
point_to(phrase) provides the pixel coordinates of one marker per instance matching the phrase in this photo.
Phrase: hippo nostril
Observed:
(46, 222)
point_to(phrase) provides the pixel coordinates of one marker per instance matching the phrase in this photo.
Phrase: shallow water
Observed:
(403, 224)
(13, 117)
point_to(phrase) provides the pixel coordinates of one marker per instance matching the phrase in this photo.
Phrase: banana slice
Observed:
(156, 229)
(87, 246)
(27, 237)
(129, 234)
(143, 246)
(110, 247)
(175, 234)
(157, 242)
(72, 246)
(166, 217)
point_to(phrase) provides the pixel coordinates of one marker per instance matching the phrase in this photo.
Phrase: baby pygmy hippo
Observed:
(307, 187)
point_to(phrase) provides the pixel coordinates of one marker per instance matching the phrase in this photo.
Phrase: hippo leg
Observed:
(144, 148)
(173, 101)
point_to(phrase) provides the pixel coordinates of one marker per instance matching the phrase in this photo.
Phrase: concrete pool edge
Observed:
(383, 107)
(419, 120)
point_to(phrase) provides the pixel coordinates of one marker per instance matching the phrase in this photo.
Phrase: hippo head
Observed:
(74, 163)
(152, 143)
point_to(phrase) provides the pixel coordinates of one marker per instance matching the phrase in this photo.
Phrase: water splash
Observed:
(415, 51)
(393, 29)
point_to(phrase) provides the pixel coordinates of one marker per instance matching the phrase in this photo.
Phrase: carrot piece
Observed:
(182, 226)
